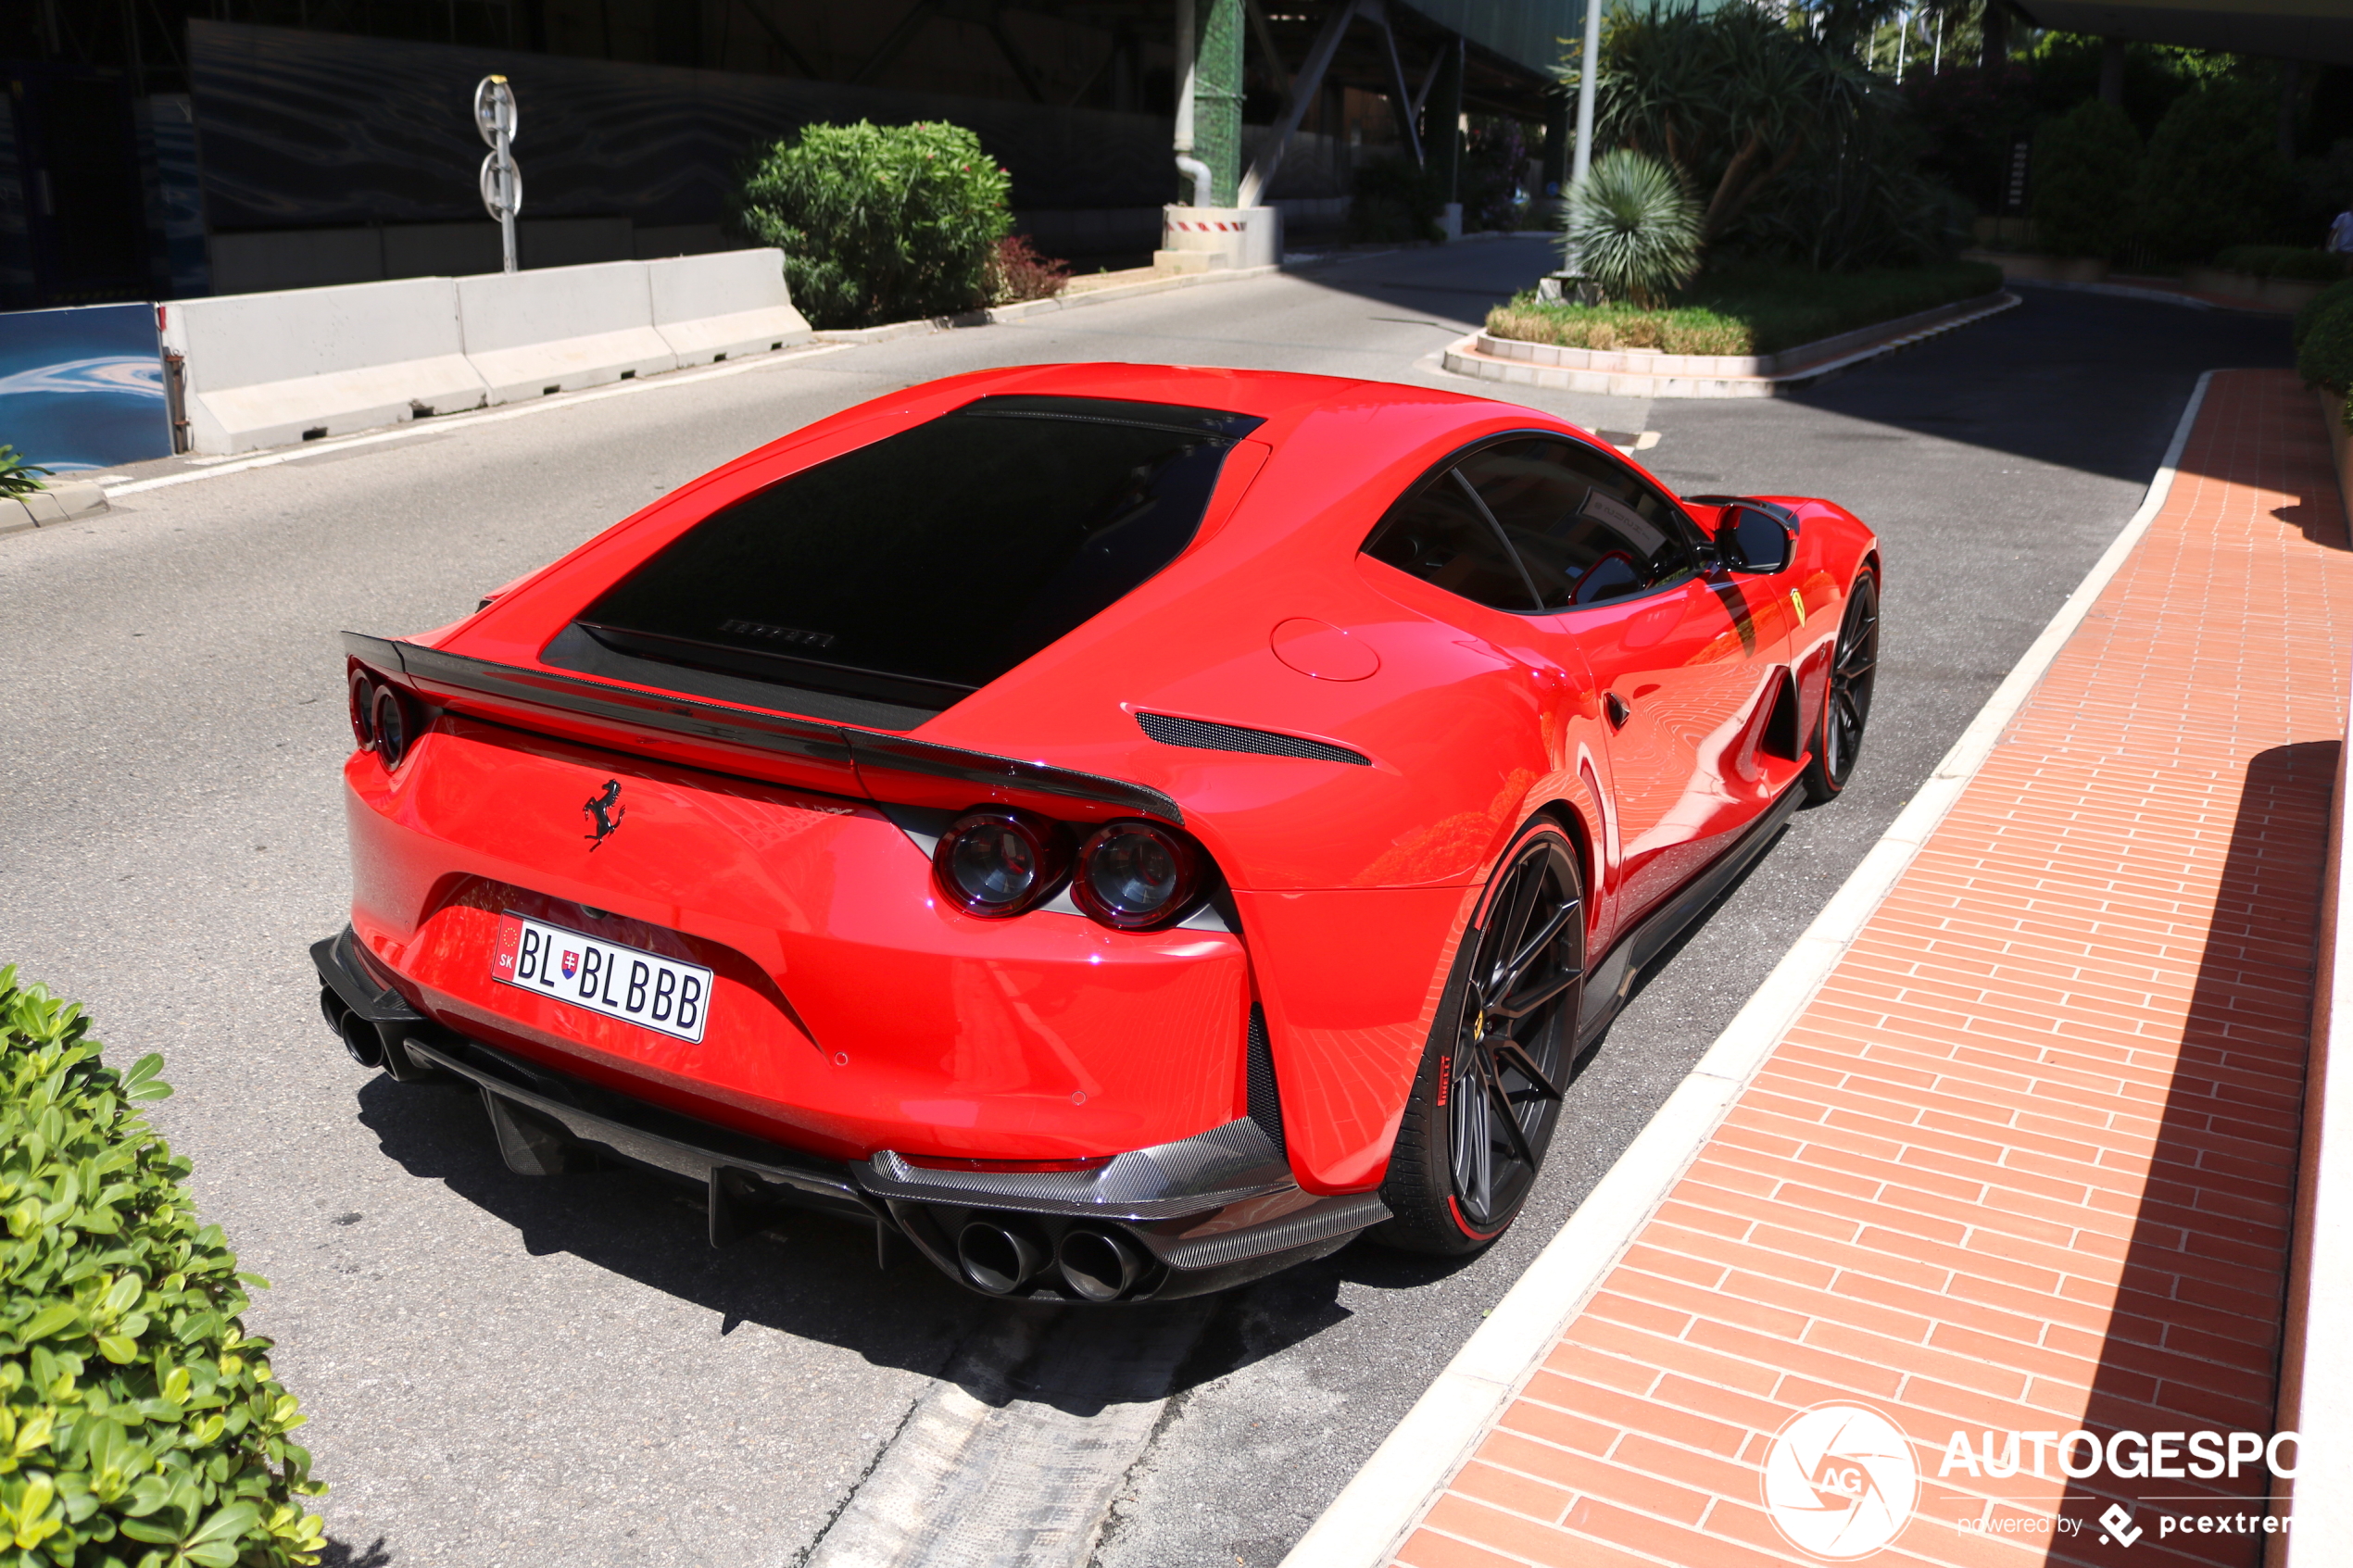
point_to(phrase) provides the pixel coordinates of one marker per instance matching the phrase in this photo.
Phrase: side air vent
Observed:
(1265, 1100)
(1233, 737)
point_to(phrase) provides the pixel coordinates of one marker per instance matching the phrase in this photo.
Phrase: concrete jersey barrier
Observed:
(728, 303)
(265, 369)
(560, 329)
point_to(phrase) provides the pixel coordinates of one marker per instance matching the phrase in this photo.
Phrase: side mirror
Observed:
(1750, 539)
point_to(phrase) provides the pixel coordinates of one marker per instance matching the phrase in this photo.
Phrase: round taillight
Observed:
(1135, 874)
(363, 719)
(997, 861)
(390, 719)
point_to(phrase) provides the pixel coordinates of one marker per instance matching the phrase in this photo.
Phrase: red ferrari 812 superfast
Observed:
(1123, 829)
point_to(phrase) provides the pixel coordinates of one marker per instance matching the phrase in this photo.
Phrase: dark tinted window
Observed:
(927, 564)
(1588, 530)
(1438, 533)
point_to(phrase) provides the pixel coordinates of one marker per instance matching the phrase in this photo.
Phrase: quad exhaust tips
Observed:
(1098, 1265)
(360, 1037)
(997, 1258)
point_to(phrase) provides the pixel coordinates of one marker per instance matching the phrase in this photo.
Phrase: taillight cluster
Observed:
(1131, 874)
(380, 719)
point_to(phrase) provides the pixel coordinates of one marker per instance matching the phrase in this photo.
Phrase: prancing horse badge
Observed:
(607, 811)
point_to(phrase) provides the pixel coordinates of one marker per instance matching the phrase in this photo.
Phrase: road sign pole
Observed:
(506, 209)
(495, 118)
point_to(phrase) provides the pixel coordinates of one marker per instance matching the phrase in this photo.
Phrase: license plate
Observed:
(624, 982)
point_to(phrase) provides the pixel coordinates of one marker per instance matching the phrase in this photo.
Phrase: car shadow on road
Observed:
(807, 1274)
(813, 1276)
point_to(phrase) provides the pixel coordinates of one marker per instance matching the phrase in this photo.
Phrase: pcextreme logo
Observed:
(1840, 1480)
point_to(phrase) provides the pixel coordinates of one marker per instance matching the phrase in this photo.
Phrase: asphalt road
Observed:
(503, 1370)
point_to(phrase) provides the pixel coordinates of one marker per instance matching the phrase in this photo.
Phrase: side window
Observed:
(1589, 530)
(1437, 534)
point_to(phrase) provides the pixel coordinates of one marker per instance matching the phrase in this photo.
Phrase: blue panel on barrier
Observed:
(83, 388)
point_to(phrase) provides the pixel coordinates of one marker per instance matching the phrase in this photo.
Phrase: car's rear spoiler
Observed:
(744, 740)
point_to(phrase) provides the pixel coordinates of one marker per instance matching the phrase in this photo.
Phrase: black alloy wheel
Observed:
(1489, 1092)
(1849, 705)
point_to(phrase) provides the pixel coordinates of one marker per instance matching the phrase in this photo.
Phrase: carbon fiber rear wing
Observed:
(711, 735)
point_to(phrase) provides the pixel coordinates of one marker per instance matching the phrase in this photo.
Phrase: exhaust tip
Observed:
(1098, 1265)
(331, 1008)
(359, 1038)
(997, 1259)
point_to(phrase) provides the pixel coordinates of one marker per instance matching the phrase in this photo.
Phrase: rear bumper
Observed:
(1202, 1213)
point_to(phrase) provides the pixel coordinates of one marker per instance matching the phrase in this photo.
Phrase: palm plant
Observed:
(15, 474)
(1635, 231)
(1730, 99)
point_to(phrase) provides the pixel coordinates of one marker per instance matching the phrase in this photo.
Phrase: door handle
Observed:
(1618, 710)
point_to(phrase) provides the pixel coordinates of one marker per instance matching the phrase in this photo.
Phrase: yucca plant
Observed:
(1634, 232)
(15, 474)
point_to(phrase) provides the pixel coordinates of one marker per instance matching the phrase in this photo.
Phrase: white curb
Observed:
(1373, 1514)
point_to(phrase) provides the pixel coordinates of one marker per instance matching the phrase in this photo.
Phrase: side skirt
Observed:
(1612, 982)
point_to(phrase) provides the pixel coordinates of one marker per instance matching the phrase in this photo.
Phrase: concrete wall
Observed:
(264, 370)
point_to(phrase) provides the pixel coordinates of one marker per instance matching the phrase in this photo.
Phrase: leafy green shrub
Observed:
(879, 222)
(2213, 175)
(15, 474)
(1395, 199)
(1634, 232)
(2086, 163)
(2319, 305)
(1753, 309)
(2282, 261)
(140, 1425)
(2324, 353)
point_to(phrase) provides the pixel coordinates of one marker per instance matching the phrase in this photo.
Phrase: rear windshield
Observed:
(920, 568)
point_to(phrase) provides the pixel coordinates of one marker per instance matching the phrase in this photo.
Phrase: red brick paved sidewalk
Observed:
(2026, 1161)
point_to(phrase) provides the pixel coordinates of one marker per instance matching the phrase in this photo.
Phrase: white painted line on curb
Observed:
(213, 468)
(1369, 1520)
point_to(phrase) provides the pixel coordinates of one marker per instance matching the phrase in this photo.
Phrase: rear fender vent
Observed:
(1265, 1102)
(1206, 736)
(1781, 725)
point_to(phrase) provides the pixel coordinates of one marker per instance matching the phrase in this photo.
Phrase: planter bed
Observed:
(1649, 372)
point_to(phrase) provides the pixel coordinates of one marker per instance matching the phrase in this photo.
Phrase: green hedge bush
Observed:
(2318, 306)
(2324, 353)
(2213, 175)
(2299, 262)
(140, 1425)
(880, 222)
(2086, 163)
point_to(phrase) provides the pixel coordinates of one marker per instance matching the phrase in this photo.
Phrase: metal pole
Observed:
(507, 208)
(1581, 158)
